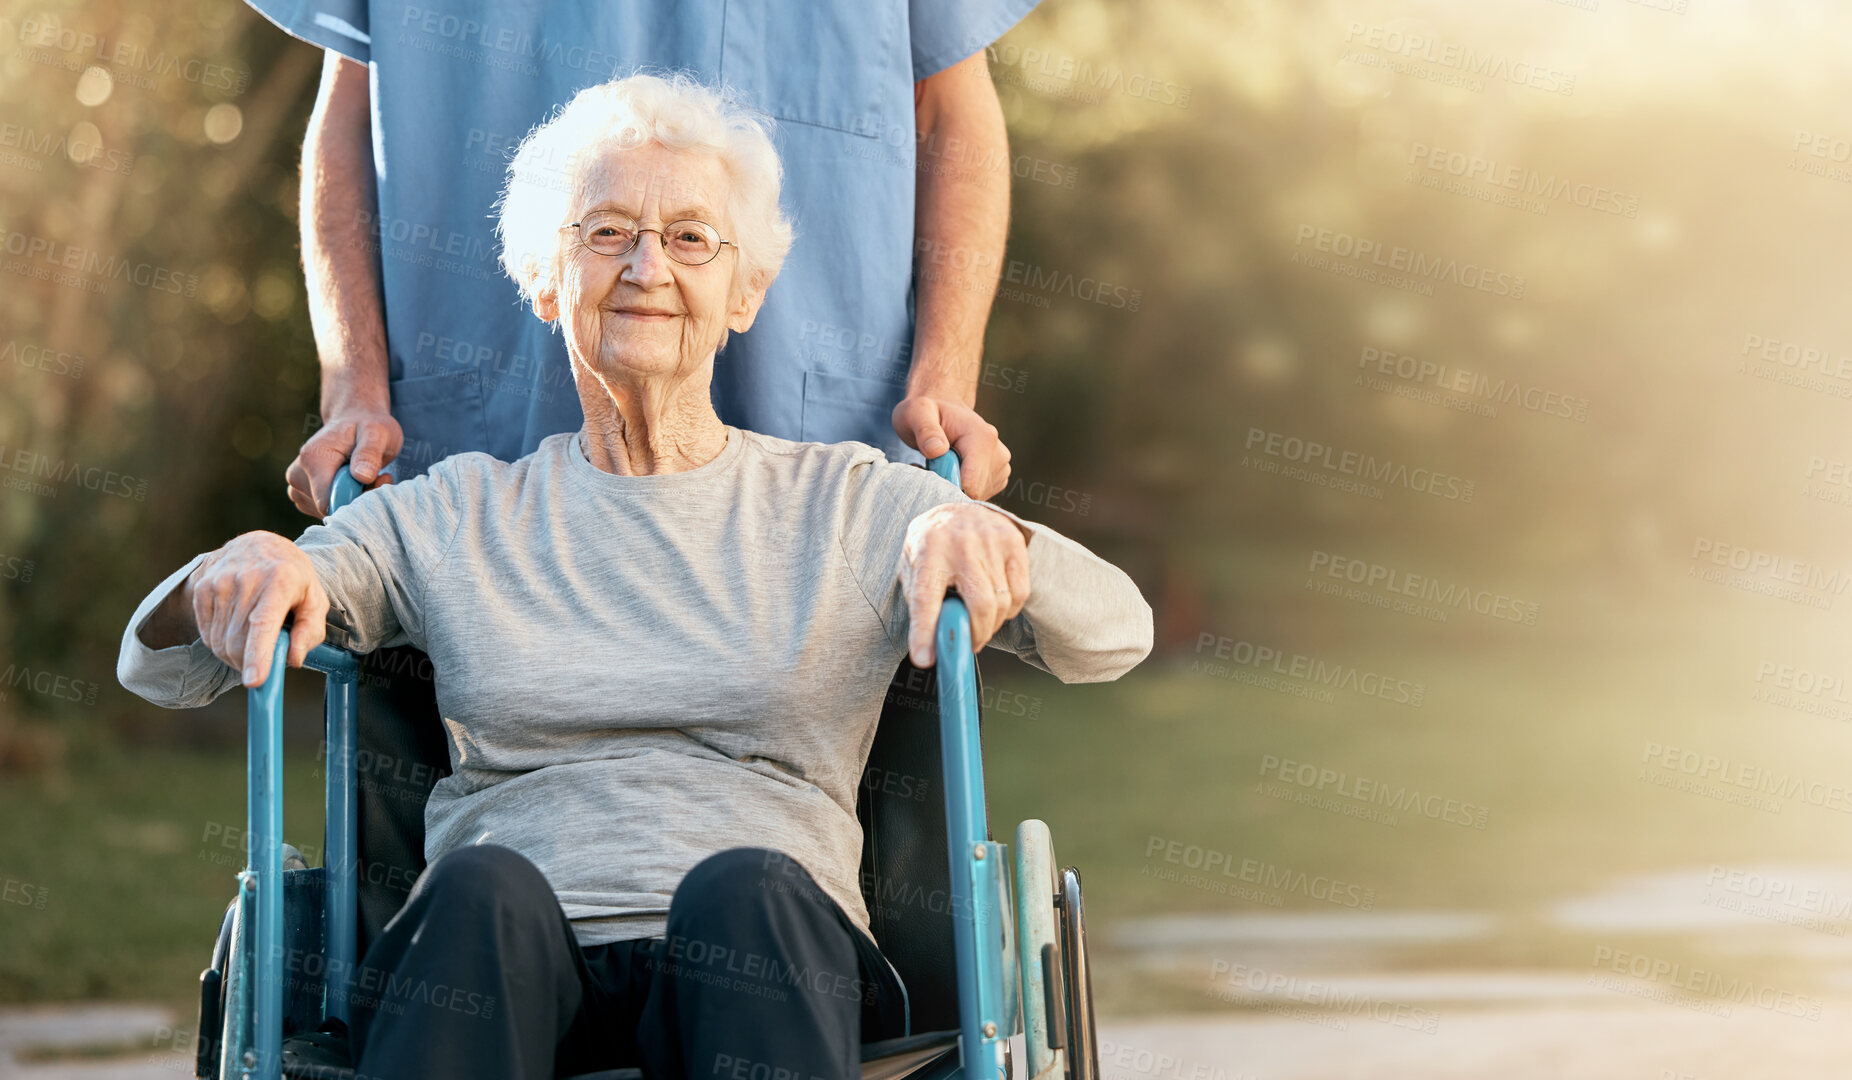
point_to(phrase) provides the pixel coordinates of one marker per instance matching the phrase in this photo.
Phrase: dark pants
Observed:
(760, 973)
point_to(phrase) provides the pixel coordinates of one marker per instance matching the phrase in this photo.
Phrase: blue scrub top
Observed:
(458, 83)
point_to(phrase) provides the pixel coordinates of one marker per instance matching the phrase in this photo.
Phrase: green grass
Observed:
(1543, 731)
(138, 856)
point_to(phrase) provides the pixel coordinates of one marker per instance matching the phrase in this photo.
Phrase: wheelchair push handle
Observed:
(346, 489)
(954, 620)
(946, 467)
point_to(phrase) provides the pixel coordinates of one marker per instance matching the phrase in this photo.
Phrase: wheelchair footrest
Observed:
(319, 1055)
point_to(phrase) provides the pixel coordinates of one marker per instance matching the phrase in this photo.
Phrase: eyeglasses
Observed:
(690, 242)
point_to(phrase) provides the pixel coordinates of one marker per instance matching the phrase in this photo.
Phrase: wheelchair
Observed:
(993, 952)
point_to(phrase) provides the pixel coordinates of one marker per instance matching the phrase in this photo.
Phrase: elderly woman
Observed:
(660, 644)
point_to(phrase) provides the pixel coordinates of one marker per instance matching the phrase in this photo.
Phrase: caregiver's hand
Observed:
(365, 441)
(236, 599)
(930, 424)
(977, 549)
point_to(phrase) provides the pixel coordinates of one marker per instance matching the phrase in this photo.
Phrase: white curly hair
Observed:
(561, 157)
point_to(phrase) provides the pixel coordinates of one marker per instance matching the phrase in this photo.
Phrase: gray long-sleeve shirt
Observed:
(636, 672)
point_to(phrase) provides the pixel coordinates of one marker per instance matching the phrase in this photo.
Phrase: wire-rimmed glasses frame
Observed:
(673, 235)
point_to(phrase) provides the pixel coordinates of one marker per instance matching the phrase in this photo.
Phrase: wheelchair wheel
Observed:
(1039, 966)
(1083, 1056)
(234, 985)
(1012, 974)
(210, 1026)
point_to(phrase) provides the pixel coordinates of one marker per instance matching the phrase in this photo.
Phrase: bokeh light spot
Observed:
(94, 86)
(84, 142)
(223, 122)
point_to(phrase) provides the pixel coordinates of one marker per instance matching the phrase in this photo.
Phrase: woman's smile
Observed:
(645, 315)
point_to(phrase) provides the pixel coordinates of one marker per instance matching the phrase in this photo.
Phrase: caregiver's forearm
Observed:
(961, 218)
(339, 206)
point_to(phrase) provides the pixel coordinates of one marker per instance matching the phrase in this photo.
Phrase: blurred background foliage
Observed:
(1272, 119)
(184, 160)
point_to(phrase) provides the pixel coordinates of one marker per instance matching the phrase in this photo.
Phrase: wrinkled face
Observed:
(643, 314)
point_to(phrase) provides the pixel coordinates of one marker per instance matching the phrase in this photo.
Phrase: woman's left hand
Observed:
(973, 547)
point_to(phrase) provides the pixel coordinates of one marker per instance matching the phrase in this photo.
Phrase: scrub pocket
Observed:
(441, 415)
(842, 408)
(825, 63)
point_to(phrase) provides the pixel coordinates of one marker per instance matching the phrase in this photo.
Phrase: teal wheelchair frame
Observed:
(1031, 977)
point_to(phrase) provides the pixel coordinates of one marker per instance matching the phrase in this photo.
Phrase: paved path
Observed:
(1587, 1042)
(156, 1051)
(1623, 1042)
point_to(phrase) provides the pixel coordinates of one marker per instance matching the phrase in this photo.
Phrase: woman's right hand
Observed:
(240, 595)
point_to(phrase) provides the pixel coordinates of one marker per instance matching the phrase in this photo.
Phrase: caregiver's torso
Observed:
(460, 82)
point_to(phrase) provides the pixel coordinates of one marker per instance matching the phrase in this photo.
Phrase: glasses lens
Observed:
(693, 242)
(609, 233)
